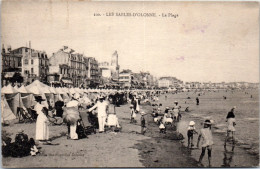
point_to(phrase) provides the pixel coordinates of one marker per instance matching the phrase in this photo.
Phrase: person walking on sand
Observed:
(207, 141)
(197, 100)
(133, 114)
(176, 111)
(191, 130)
(71, 116)
(143, 125)
(102, 108)
(230, 119)
(42, 129)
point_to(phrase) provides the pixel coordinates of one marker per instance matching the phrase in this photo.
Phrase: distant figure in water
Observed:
(197, 100)
(165, 97)
(207, 141)
(251, 96)
(224, 97)
(231, 124)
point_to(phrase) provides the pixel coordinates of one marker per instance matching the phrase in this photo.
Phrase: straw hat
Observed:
(175, 101)
(192, 123)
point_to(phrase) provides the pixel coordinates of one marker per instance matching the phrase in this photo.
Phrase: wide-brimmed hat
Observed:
(101, 97)
(143, 113)
(39, 98)
(175, 101)
(167, 108)
(131, 106)
(207, 122)
(192, 123)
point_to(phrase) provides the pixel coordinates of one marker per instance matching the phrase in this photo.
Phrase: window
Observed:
(19, 62)
(32, 61)
(26, 61)
(32, 70)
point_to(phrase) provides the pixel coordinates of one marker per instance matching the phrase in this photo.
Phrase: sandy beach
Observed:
(129, 148)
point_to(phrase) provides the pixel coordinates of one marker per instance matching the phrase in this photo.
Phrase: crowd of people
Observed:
(102, 115)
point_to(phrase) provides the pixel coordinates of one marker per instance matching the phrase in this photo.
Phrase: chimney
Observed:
(9, 48)
(3, 49)
(30, 52)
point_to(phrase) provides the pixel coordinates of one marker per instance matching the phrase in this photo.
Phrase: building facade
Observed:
(31, 64)
(125, 78)
(69, 68)
(11, 65)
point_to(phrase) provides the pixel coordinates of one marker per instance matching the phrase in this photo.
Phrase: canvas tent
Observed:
(6, 112)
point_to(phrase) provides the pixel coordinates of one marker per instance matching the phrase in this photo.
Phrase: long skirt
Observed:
(42, 129)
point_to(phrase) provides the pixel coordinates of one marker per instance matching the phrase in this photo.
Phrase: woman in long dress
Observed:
(42, 129)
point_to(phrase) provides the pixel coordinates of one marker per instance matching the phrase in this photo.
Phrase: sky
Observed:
(207, 41)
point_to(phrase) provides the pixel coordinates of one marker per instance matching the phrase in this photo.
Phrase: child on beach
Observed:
(231, 125)
(190, 132)
(133, 114)
(207, 141)
(143, 126)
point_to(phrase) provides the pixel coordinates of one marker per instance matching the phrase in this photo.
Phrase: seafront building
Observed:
(24, 65)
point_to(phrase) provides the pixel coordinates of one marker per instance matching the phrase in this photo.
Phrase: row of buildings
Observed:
(66, 67)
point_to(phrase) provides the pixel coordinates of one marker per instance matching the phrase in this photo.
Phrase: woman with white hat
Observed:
(42, 129)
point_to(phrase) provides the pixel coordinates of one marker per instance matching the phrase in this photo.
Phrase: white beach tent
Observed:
(12, 97)
(26, 96)
(6, 112)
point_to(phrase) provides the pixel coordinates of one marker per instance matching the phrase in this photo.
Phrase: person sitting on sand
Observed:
(162, 126)
(191, 130)
(169, 118)
(231, 124)
(207, 141)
